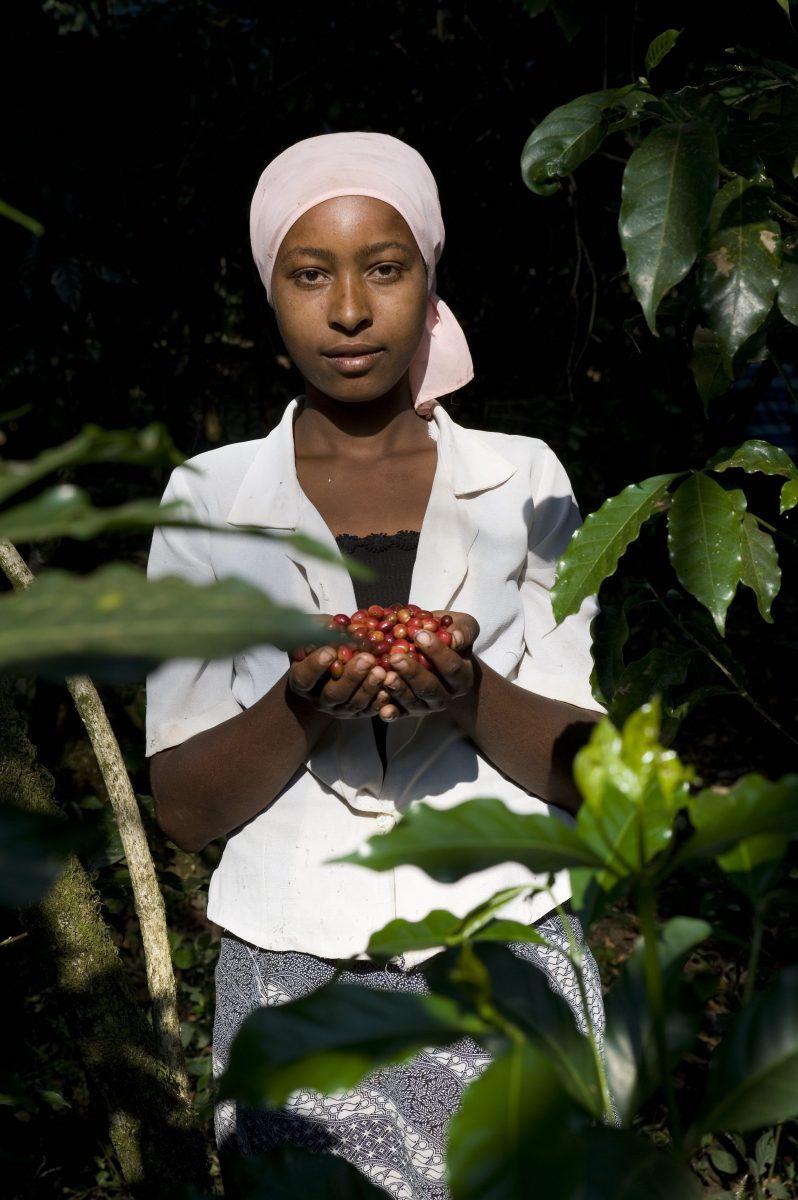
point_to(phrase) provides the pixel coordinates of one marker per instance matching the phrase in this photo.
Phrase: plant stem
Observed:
(646, 911)
(147, 896)
(724, 670)
(575, 958)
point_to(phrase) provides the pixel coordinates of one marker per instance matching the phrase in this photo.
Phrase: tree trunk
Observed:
(157, 1139)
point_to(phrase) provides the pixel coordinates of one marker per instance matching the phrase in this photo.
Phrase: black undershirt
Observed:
(391, 556)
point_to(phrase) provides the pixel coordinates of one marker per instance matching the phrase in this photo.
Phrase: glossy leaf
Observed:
(659, 47)
(711, 377)
(654, 673)
(760, 566)
(440, 928)
(787, 298)
(753, 807)
(330, 1039)
(450, 843)
(595, 548)
(705, 542)
(116, 620)
(753, 1075)
(148, 447)
(667, 191)
(609, 632)
(565, 138)
(630, 1045)
(758, 455)
(632, 789)
(740, 272)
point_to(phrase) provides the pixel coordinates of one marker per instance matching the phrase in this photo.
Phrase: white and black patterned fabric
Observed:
(392, 1127)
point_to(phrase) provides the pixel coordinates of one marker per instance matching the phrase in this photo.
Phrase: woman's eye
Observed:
(387, 271)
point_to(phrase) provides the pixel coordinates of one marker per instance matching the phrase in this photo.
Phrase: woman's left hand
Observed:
(417, 691)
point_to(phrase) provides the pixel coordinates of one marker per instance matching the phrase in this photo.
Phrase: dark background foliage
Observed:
(136, 133)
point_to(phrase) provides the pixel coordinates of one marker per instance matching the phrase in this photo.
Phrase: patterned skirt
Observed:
(392, 1127)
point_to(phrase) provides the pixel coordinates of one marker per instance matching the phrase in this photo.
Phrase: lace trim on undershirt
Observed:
(403, 539)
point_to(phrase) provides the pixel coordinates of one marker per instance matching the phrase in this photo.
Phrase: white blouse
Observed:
(500, 514)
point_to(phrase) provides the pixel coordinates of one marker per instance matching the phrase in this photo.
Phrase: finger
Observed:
(306, 674)
(452, 668)
(422, 683)
(400, 693)
(366, 700)
(340, 691)
(390, 712)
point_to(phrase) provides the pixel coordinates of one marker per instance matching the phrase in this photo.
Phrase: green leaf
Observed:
(20, 218)
(116, 623)
(520, 991)
(450, 843)
(565, 138)
(34, 848)
(705, 542)
(787, 298)
(741, 268)
(760, 566)
(656, 671)
(666, 196)
(659, 47)
(609, 633)
(758, 455)
(595, 548)
(754, 806)
(753, 1075)
(440, 928)
(148, 447)
(330, 1039)
(630, 1044)
(632, 789)
(516, 1134)
(711, 377)
(287, 1172)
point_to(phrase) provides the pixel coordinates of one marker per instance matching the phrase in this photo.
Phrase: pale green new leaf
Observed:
(632, 788)
(659, 47)
(760, 567)
(565, 138)
(595, 548)
(758, 455)
(753, 1075)
(450, 843)
(667, 191)
(705, 542)
(116, 617)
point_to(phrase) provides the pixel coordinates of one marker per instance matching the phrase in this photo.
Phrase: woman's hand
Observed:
(359, 691)
(417, 691)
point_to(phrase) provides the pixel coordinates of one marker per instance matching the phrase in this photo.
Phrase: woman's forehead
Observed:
(348, 223)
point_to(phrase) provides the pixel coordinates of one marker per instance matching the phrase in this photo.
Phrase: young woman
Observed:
(294, 767)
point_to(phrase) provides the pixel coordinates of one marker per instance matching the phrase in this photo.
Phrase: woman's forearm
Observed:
(220, 778)
(530, 738)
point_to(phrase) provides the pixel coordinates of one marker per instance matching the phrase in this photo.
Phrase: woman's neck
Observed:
(369, 430)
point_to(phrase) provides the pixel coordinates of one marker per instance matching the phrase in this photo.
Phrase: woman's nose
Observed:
(349, 302)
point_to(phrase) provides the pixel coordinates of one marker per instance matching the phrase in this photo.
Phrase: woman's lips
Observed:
(352, 364)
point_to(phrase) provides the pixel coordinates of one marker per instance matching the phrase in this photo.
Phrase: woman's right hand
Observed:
(358, 693)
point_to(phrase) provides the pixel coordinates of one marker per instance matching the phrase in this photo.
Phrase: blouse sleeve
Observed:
(556, 661)
(185, 695)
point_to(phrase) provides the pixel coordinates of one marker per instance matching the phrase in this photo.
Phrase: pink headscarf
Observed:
(367, 164)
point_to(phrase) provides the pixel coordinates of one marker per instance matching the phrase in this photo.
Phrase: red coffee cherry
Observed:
(387, 625)
(445, 637)
(385, 662)
(298, 655)
(376, 637)
(400, 631)
(376, 610)
(423, 661)
(360, 615)
(400, 646)
(341, 619)
(337, 669)
(415, 610)
(345, 653)
(446, 621)
(404, 615)
(430, 624)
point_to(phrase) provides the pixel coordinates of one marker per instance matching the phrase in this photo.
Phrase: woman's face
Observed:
(349, 275)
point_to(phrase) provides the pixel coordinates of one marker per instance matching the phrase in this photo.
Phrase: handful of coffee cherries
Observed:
(383, 631)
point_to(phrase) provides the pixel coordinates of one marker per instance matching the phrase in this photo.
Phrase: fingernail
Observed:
(326, 657)
(423, 638)
(364, 663)
(457, 638)
(399, 664)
